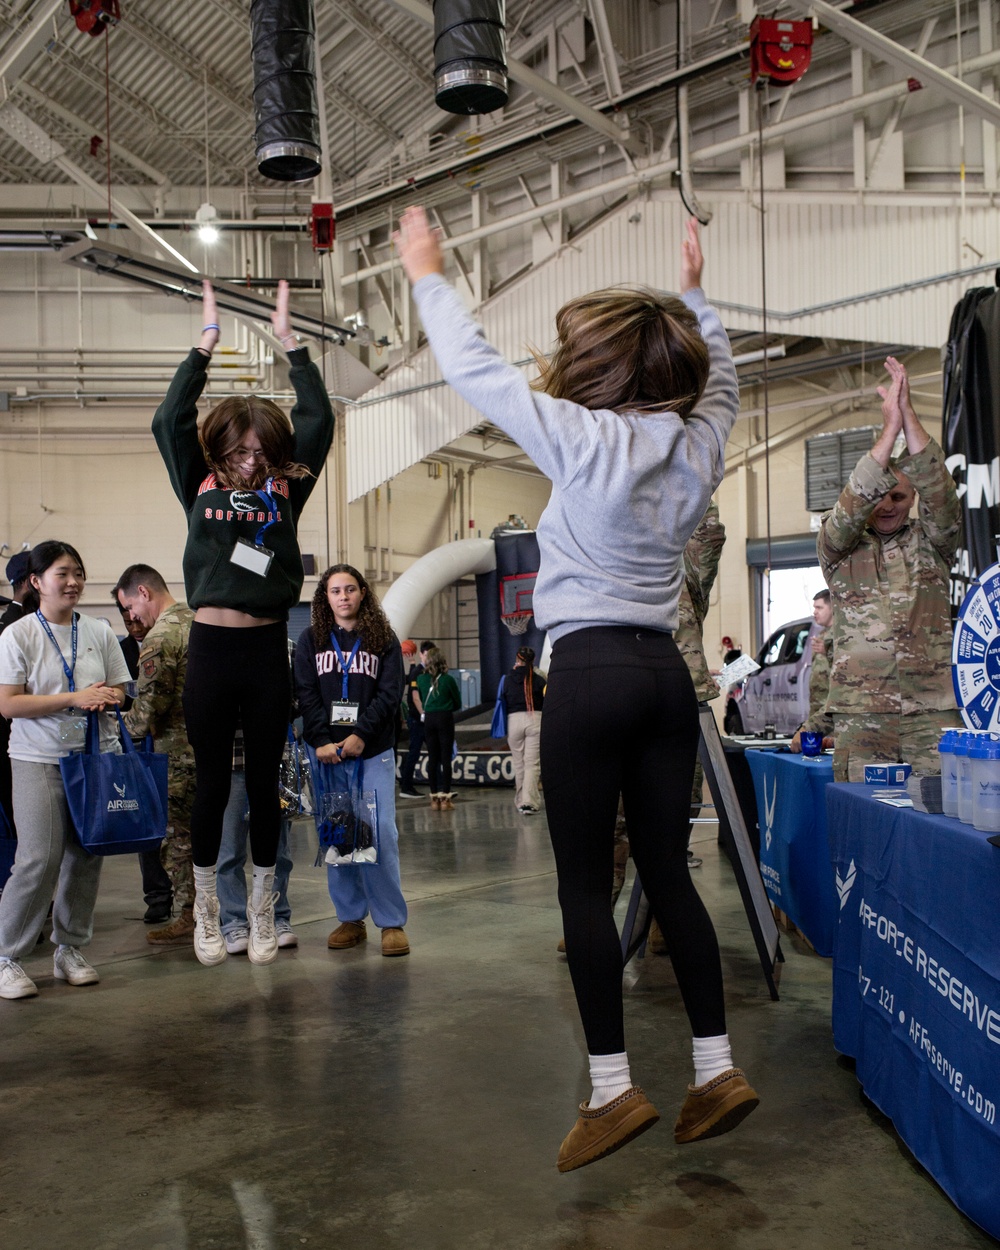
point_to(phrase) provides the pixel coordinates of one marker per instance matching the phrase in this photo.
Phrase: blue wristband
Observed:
(211, 327)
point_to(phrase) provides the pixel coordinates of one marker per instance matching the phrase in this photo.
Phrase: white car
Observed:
(778, 694)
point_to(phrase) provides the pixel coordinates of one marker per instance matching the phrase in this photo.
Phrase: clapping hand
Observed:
(281, 321)
(418, 244)
(692, 260)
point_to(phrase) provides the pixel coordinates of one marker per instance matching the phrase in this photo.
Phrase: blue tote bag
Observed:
(118, 803)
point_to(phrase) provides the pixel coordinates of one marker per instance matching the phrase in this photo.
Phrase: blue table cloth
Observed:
(916, 984)
(794, 852)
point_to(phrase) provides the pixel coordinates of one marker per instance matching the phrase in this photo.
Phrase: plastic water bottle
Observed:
(984, 758)
(963, 766)
(949, 772)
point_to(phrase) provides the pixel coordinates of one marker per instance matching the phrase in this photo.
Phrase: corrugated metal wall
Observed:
(824, 262)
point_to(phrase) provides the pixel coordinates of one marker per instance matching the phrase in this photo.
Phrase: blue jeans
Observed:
(231, 878)
(360, 889)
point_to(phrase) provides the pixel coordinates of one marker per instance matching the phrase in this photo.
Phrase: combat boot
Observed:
(179, 930)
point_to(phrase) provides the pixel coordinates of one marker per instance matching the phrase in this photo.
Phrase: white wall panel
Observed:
(818, 255)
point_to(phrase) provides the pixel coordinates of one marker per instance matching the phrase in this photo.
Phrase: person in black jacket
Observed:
(349, 680)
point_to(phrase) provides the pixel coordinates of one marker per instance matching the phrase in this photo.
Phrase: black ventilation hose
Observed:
(470, 55)
(283, 49)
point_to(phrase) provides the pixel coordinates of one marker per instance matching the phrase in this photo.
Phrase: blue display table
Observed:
(916, 985)
(794, 852)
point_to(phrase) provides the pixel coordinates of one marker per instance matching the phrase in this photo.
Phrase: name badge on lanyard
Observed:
(73, 726)
(342, 711)
(254, 556)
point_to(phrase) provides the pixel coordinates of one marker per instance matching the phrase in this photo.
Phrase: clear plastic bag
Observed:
(291, 778)
(346, 814)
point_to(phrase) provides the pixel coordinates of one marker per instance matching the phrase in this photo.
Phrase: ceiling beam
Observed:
(85, 127)
(229, 95)
(35, 34)
(366, 25)
(605, 48)
(886, 49)
(47, 151)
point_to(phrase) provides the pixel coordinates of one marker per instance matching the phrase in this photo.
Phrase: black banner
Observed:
(470, 768)
(971, 430)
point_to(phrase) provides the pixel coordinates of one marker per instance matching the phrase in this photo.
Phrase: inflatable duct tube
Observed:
(470, 55)
(283, 51)
(409, 594)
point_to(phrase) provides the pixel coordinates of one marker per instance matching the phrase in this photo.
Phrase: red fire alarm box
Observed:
(779, 51)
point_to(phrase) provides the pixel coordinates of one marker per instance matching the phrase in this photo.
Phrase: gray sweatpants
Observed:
(48, 861)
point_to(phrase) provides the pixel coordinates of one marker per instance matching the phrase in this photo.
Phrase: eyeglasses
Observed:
(242, 454)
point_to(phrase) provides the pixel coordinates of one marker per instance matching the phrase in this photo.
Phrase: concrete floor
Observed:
(346, 1099)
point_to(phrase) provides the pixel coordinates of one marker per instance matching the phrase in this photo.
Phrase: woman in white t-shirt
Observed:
(55, 666)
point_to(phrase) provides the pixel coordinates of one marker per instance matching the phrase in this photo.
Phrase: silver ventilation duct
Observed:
(470, 55)
(283, 49)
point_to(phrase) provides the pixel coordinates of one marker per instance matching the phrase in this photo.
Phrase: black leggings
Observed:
(621, 716)
(236, 676)
(439, 733)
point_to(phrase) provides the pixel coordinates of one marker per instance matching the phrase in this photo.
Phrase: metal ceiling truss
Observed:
(243, 302)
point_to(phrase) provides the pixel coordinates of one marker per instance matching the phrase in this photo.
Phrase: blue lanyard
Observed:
(272, 508)
(67, 669)
(344, 664)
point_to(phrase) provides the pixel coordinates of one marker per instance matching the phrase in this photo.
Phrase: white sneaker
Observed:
(69, 965)
(209, 945)
(237, 940)
(287, 937)
(263, 945)
(15, 982)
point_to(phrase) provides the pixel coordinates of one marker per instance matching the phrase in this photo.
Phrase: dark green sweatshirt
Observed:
(217, 517)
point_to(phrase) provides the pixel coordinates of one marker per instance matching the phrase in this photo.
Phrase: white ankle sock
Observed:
(263, 884)
(204, 880)
(610, 1077)
(712, 1056)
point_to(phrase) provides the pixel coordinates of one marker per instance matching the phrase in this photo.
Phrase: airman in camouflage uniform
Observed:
(818, 720)
(157, 709)
(890, 682)
(701, 566)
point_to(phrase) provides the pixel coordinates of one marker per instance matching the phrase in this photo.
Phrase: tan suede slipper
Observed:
(599, 1133)
(715, 1107)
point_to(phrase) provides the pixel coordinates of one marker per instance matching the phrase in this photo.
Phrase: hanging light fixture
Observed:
(206, 224)
(206, 218)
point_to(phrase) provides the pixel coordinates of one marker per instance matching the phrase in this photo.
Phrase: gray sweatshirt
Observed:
(628, 490)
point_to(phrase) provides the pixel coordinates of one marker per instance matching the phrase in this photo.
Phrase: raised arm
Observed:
(872, 478)
(175, 423)
(312, 415)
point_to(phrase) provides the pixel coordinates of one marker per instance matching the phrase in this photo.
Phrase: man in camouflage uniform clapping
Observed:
(890, 683)
(142, 593)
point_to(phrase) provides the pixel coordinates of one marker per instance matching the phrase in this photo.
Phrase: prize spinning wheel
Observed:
(975, 654)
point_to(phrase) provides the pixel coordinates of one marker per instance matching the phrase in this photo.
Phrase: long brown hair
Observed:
(435, 663)
(373, 624)
(628, 349)
(225, 428)
(527, 657)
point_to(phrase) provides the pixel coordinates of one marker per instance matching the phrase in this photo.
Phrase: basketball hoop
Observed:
(517, 622)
